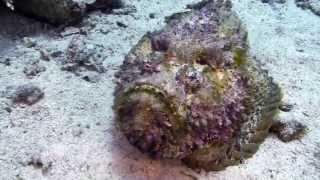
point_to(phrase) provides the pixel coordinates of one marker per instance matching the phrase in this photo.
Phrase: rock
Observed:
(29, 42)
(8, 109)
(5, 61)
(285, 107)
(103, 4)
(91, 77)
(280, 1)
(198, 5)
(152, 15)
(44, 55)
(82, 55)
(192, 91)
(60, 11)
(33, 70)
(288, 131)
(121, 24)
(27, 94)
(38, 162)
(33, 67)
(56, 54)
(77, 131)
(313, 5)
(274, 1)
(125, 10)
(70, 31)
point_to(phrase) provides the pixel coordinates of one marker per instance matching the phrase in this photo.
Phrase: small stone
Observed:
(8, 109)
(25, 94)
(70, 31)
(280, 1)
(69, 67)
(198, 5)
(33, 70)
(286, 107)
(299, 50)
(104, 5)
(36, 162)
(121, 24)
(44, 55)
(77, 131)
(305, 114)
(288, 131)
(91, 77)
(274, 1)
(5, 61)
(56, 54)
(29, 43)
(126, 10)
(83, 55)
(152, 15)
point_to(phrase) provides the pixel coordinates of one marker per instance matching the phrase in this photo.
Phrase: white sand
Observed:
(71, 131)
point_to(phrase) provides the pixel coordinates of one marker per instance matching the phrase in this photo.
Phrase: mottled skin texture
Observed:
(191, 92)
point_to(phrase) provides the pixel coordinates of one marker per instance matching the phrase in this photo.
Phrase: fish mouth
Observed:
(150, 122)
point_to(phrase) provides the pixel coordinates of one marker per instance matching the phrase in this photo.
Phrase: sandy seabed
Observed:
(70, 133)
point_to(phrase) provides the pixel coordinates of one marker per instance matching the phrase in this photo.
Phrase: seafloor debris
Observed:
(192, 92)
(313, 5)
(288, 131)
(33, 69)
(5, 61)
(82, 55)
(27, 94)
(285, 107)
(29, 42)
(274, 1)
(59, 11)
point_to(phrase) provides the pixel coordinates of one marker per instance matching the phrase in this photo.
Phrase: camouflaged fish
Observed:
(192, 92)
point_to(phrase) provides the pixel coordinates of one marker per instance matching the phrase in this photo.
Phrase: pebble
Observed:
(27, 94)
(286, 107)
(5, 61)
(152, 15)
(93, 78)
(121, 24)
(44, 55)
(288, 131)
(28, 42)
(33, 70)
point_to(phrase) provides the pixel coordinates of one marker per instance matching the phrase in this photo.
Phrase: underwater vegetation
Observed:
(191, 91)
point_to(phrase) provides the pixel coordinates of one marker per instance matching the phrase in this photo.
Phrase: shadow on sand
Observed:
(13, 27)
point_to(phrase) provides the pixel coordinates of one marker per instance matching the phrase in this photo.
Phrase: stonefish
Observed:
(192, 92)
